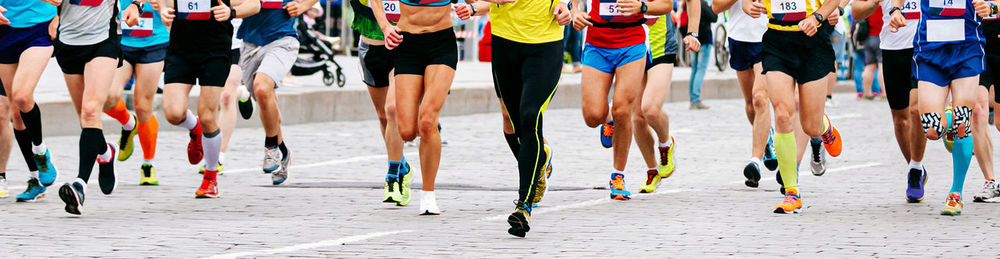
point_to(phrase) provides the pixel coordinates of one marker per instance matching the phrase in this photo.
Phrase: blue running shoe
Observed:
(770, 161)
(915, 182)
(607, 131)
(34, 191)
(46, 170)
(618, 191)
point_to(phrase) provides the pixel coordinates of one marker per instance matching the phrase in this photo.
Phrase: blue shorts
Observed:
(14, 41)
(607, 60)
(145, 55)
(743, 55)
(949, 62)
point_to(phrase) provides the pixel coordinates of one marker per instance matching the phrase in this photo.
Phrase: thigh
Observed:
(214, 69)
(594, 89)
(409, 88)
(540, 72)
(147, 79)
(628, 82)
(175, 99)
(279, 56)
(965, 91)
(98, 74)
(811, 101)
(658, 81)
(31, 65)
(781, 91)
(437, 83)
(931, 98)
(120, 78)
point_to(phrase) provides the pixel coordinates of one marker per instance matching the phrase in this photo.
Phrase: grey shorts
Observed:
(873, 54)
(274, 59)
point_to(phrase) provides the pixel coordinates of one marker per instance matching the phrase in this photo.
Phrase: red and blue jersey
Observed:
(606, 12)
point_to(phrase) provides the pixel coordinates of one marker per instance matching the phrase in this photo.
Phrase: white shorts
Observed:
(273, 60)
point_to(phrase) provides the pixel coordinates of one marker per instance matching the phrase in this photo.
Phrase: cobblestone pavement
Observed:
(331, 205)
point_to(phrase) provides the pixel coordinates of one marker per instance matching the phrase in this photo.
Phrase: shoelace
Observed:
(618, 183)
(650, 177)
(40, 161)
(31, 185)
(828, 136)
(790, 199)
(664, 155)
(815, 153)
(609, 129)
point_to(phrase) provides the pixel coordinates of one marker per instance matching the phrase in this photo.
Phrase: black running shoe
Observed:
(73, 194)
(752, 173)
(777, 177)
(106, 172)
(246, 108)
(518, 220)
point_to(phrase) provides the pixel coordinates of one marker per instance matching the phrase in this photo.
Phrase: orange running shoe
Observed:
(953, 205)
(607, 132)
(209, 186)
(831, 140)
(618, 191)
(791, 204)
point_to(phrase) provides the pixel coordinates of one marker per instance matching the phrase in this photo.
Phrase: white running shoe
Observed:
(3, 188)
(818, 160)
(990, 192)
(428, 204)
(272, 160)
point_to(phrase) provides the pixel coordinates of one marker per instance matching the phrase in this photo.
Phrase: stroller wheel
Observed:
(340, 78)
(327, 78)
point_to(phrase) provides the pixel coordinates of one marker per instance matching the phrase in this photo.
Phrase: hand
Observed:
(167, 16)
(464, 11)
(580, 20)
(53, 2)
(692, 43)
(221, 12)
(756, 9)
(295, 8)
(982, 8)
(3, 20)
(392, 36)
(896, 21)
(131, 15)
(629, 7)
(562, 14)
(156, 4)
(808, 25)
(834, 18)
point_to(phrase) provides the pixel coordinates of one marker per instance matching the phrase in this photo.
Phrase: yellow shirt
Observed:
(526, 21)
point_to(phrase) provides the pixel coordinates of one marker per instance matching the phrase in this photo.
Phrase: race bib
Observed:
(609, 9)
(947, 7)
(788, 10)
(142, 29)
(391, 10)
(271, 4)
(911, 10)
(194, 9)
(86, 2)
(945, 30)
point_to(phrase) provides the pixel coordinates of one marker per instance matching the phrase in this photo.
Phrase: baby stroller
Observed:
(316, 55)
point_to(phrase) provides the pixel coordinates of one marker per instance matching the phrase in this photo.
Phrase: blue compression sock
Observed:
(961, 156)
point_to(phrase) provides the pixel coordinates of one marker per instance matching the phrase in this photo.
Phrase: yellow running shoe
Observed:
(949, 139)
(666, 168)
(126, 144)
(217, 168)
(541, 186)
(791, 204)
(405, 194)
(953, 205)
(652, 181)
(148, 176)
(390, 188)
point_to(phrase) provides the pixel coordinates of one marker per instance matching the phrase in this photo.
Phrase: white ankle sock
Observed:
(916, 165)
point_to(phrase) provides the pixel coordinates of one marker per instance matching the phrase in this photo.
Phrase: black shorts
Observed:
(897, 73)
(145, 55)
(376, 64)
(665, 59)
(206, 68)
(234, 57)
(743, 55)
(72, 59)
(804, 58)
(417, 51)
(991, 73)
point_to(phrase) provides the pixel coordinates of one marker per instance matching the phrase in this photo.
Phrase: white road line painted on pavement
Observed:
(314, 245)
(845, 116)
(839, 169)
(326, 163)
(543, 210)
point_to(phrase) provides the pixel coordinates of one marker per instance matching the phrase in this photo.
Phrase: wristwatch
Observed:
(693, 34)
(643, 8)
(232, 13)
(893, 9)
(137, 5)
(819, 17)
(473, 9)
(993, 8)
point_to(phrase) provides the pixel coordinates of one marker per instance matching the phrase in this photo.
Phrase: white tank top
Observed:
(744, 28)
(237, 43)
(903, 39)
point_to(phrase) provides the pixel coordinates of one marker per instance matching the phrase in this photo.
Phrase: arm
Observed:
(861, 9)
(694, 20)
(722, 5)
(809, 24)
(579, 17)
(296, 8)
(897, 20)
(131, 13)
(389, 31)
(245, 8)
(653, 7)
(482, 8)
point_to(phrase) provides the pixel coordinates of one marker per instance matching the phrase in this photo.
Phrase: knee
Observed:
(783, 118)
(24, 101)
(759, 101)
(427, 125)
(143, 108)
(980, 112)
(262, 88)
(813, 129)
(227, 99)
(622, 112)
(640, 121)
(174, 117)
(594, 118)
(91, 111)
(649, 112)
(407, 133)
(901, 121)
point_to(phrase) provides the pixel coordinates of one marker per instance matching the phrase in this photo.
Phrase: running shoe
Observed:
(245, 105)
(46, 170)
(831, 140)
(617, 184)
(195, 152)
(3, 187)
(201, 169)
(915, 181)
(607, 132)
(548, 159)
(518, 220)
(34, 191)
(667, 163)
(953, 205)
(279, 176)
(818, 161)
(781, 184)
(126, 142)
(391, 192)
(148, 176)
(770, 160)
(540, 185)
(428, 204)
(73, 194)
(209, 188)
(106, 176)
(272, 159)
(791, 204)
(990, 193)
(652, 181)
(752, 173)
(405, 176)
(949, 136)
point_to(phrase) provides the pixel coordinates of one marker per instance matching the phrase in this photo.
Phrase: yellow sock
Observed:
(826, 123)
(784, 149)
